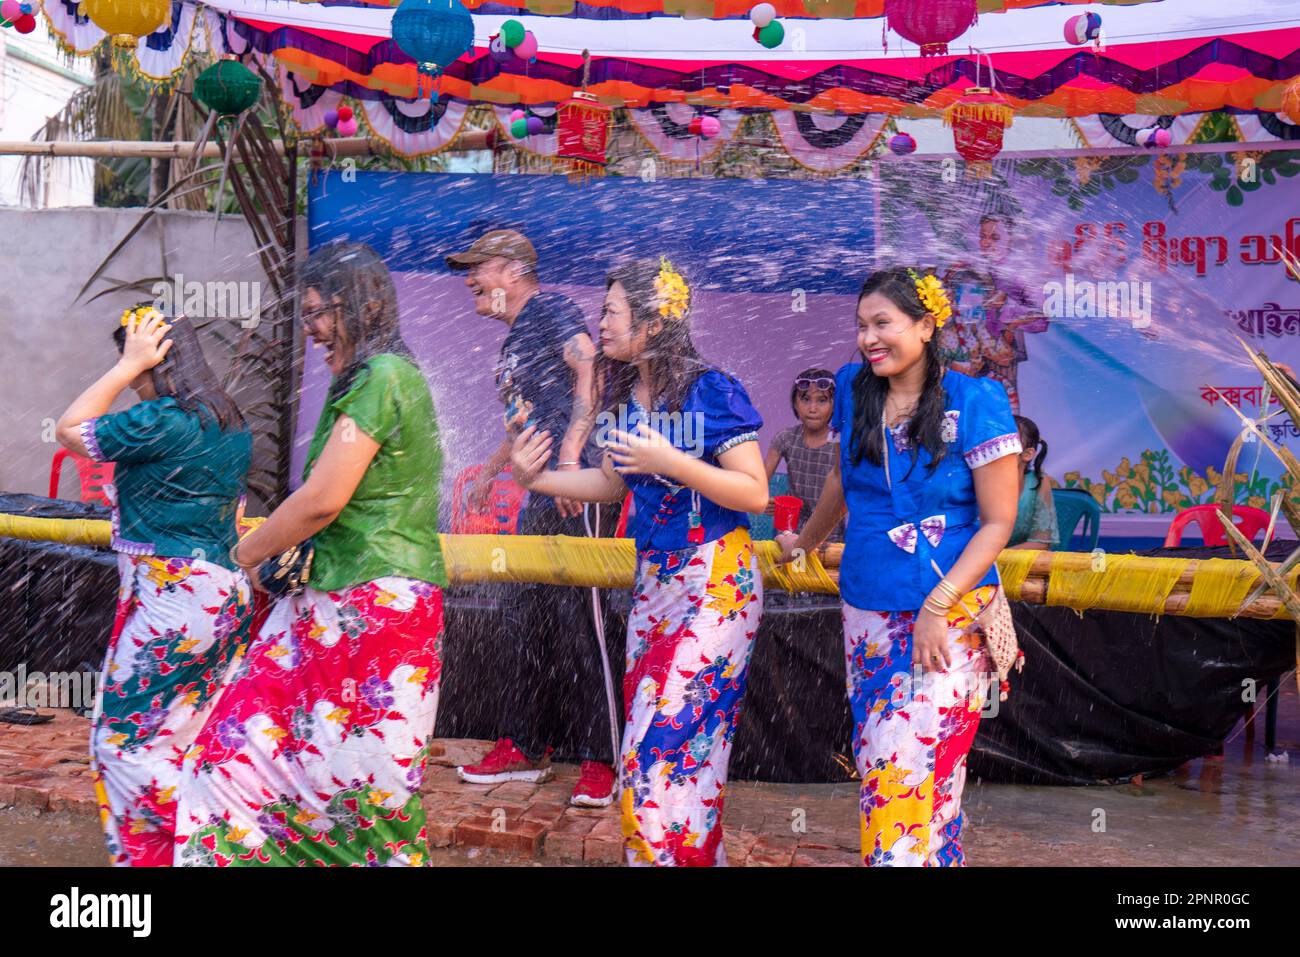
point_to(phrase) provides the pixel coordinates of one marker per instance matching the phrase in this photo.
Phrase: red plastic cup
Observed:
(785, 512)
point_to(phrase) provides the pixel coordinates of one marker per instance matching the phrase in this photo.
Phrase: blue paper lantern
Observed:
(434, 33)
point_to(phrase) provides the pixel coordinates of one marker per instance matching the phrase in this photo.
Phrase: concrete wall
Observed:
(53, 347)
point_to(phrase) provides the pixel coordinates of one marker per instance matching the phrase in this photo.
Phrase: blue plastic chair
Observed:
(1076, 511)
(761, 527)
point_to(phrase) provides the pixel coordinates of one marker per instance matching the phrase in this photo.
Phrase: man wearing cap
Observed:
(544, 376)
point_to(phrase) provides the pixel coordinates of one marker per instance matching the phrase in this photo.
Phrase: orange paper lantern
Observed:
(1291, 100)
(978, 120)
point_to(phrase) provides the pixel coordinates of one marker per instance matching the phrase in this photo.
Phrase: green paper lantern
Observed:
(228, 88)
(772, 34)
(512, 32)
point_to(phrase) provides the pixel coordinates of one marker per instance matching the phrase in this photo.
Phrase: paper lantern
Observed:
(582, 127)
(228, 87)
(433, 33)
(1291, 100)
(128, 20)
(902, 144)
(931, 24)
(977, 121)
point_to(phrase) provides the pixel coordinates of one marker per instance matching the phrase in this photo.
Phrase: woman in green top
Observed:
(1035, 513)
(183, 610)
(317, 751)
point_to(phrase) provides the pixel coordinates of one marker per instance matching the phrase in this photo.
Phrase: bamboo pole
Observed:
(609, 563)
(181, 149)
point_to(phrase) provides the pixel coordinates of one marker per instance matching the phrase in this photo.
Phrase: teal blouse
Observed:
(177, 482)
(1035, 516)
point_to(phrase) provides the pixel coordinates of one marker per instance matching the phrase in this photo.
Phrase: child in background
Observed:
(1035, 512)
(810, 448)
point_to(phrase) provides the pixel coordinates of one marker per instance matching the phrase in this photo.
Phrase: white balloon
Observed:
(762, 15)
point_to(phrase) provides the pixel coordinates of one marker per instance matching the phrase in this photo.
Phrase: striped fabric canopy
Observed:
(1161, 57)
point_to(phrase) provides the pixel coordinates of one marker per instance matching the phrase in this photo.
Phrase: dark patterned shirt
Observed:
(808, 469)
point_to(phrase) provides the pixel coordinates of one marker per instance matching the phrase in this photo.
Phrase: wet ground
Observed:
(1237, 810)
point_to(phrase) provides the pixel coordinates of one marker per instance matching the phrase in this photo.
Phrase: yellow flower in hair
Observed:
(143, 312)
(933, 296)
(671, 290)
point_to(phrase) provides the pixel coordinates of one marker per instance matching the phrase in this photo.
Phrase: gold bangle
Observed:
(949, 589)
(935, 609)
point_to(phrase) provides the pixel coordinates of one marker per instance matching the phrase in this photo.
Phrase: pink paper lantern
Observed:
(931, 24)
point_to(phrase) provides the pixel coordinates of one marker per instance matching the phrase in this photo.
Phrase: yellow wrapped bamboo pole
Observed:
(1210, 588)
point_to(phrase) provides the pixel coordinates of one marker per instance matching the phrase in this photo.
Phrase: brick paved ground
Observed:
(1240, 810)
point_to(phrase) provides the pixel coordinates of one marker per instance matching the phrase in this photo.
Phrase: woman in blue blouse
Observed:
(184, 610)
(928, 473)
(687, 447)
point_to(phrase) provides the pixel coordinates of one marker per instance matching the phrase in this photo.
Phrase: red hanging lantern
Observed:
(582, 127)
(932, 24)
(977, 121)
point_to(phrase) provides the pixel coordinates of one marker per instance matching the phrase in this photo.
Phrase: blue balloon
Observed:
(434, 33)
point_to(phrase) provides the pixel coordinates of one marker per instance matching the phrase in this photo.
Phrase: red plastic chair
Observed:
(1248, 519)
(621, 531)
(93, 475)
(501, 517)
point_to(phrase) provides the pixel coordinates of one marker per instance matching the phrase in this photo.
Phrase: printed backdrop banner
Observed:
(1105, 293)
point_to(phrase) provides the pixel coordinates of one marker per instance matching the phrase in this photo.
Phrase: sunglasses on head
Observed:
(803, 385)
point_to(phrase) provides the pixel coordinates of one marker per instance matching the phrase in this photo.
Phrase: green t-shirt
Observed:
(178, 479)
(390, 525)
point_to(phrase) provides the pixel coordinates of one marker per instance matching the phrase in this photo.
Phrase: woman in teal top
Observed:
(1035, 512)
(183, 609)
(928, 473)
(317, 751)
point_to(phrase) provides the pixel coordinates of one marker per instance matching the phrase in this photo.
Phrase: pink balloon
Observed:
(1076, 30)
(710, 127)
(347, 127)
(11, 10)
(517, 115)
(527, 48)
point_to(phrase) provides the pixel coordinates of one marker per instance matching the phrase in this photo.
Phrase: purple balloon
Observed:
(331, 118)
(536, 125)
(499, 51)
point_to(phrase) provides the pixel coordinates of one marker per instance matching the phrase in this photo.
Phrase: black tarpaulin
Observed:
(1103, 696)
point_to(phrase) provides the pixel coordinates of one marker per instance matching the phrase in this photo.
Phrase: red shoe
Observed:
(505, 762)
(595, 787)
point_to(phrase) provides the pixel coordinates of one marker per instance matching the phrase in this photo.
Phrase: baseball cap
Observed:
(507, 243)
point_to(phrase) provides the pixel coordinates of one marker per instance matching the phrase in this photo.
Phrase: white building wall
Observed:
(36, 81)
